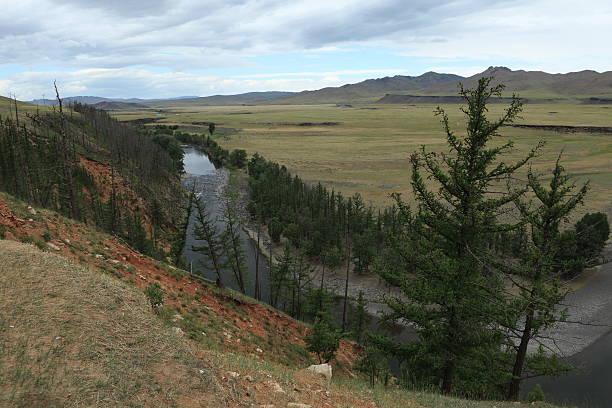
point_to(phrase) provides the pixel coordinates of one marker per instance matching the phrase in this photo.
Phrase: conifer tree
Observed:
(536, 276)
(453, 296)
(212, 247)
(232, 243)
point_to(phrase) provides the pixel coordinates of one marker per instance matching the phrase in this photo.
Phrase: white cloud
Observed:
(122, 82)
(188, 37)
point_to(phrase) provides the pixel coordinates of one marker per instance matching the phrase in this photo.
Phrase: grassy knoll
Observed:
(367, 147)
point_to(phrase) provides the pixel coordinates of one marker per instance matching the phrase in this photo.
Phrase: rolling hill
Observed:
(249, 98)
(529, 84)
(370, 89)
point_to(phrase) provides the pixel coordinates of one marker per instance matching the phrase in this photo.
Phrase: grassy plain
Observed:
(365, 148)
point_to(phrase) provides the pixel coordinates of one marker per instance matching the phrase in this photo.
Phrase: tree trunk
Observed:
(519, 362)
(448, 377)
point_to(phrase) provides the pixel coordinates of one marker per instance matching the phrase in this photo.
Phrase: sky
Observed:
(170, 48)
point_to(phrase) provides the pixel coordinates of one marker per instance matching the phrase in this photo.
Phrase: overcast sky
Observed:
(166, 48)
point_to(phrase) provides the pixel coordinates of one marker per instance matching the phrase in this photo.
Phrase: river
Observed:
(590, 386)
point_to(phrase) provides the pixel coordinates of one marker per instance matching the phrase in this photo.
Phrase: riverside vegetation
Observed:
(449, 256)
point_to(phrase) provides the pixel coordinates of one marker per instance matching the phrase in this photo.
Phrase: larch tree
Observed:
(537, 276)
(449, 292)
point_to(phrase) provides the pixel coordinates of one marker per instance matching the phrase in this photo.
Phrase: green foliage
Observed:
(323, 339)
(375, 365)
(238, 158)
(46, 236)
(454, 296)
(536, 395)
(232, 244)
(592, 233)
(211, 243)
(359, 318)
(155, 294)
(275, 229)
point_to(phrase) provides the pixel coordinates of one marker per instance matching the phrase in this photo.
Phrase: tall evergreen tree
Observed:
(452, 295)
(212, 247)
(232, 243)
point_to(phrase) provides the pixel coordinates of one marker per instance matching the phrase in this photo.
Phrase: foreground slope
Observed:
(72, 337)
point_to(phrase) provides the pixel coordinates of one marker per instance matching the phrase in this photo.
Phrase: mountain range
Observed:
(586, 86)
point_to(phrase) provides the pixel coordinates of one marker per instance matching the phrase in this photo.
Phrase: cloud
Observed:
(122, 82)
(188, 38)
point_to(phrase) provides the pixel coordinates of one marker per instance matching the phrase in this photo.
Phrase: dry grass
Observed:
(72, 337)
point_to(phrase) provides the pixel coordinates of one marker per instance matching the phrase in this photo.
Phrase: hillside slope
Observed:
(84, 335)
(72, 337)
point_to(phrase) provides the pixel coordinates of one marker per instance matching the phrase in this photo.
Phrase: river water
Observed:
(590, 386)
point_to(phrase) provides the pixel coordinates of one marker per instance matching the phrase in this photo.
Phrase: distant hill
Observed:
(108, 105)
(92, 100)
(450, 99)
(371, 89)
(249, 98)
(537, 84)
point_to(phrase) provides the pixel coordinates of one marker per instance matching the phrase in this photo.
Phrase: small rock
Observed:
(177, 317)
(259, 350)
(178, 331)
(200, 371)
(31, 210)
(11, 326)
(98, 256)
(58, 338)
(30, 220)
(322, 369)
(298, 405)
(67, 241)
(53, 246)
(113, 261)
(276, 387)
(233, 374)
(142, 277)
(249, 378)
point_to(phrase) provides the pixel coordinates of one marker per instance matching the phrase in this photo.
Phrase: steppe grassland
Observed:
(367, 150)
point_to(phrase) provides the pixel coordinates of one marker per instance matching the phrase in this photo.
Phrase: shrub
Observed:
(155, 295)
(238, 158)
(536, 395)
(323, 339)
(274, 229)
(592, 233)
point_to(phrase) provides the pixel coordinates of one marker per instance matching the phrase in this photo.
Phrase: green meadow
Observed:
(365, 148)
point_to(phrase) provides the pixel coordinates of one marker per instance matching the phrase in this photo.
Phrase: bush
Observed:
(592, 233)
(156, 295)
(536, 395)
(323, 339)
(238, 158)
(274, 229)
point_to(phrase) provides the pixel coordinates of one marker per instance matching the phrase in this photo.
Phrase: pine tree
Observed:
(232, 243)
(453, 296)
(323, 339)
(537, 277)
(212, 247)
